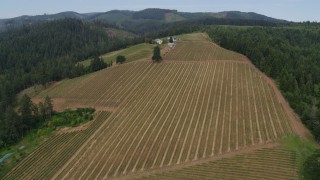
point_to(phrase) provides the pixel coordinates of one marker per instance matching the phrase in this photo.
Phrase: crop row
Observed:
(274, 163)
(107, 87)
(177, 113)
(44, 161)
(200, 51)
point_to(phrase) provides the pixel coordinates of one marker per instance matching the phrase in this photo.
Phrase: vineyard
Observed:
(190, 49)
(163, 114)
(269, 163)
(44, 161)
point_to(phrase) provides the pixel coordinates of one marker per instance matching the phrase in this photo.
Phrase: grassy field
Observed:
(167, 114)
(132, 53)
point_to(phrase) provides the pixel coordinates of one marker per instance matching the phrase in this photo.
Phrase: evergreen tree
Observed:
(171, 39)
(25, 110)
(13, 126)
(120, 59)
(97, 64)
(311, 167)
(156, 54)
(42, 111)
(48, 106)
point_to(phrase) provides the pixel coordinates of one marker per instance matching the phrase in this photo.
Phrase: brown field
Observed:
(267, 163)
(201, 102)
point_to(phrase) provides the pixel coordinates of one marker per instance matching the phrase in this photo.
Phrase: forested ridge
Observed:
(46, 52)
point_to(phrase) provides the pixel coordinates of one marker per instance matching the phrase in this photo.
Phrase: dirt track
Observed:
(60, 104)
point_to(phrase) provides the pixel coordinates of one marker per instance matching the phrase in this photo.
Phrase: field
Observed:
(163, 115)
(132, 53)
(44, 161)
(268, 163)
(197, 48)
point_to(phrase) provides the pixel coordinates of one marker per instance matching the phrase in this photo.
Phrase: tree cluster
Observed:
(311, 167)
(120, 59)
(96, 64)
(16, 123)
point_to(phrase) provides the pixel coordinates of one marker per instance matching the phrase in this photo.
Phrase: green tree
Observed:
(25, 110)
(48, 106)
(156, 54)
(171, 39)
(311, 167)
(120, 59)
(97, 64)
(12, 125)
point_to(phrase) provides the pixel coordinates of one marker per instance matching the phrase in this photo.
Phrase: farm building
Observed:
(158, 41)
(174, 39)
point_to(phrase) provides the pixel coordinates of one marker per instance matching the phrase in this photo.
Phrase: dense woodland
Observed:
(42, 53)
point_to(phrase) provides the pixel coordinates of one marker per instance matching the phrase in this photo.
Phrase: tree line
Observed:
(27, 117)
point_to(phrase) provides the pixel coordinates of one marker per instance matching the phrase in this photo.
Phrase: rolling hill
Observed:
(195, 115)
(126, 19)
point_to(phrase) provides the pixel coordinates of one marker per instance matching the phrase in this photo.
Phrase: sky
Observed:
(292, 10)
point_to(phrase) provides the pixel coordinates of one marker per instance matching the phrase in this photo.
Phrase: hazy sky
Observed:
(294, 10)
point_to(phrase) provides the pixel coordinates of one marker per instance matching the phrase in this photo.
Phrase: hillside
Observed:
(42, 53)
(197, 106)
(130, 19)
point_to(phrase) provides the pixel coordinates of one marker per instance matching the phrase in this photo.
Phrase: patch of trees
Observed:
(120, 59)
(97, 64)
(290, 55)
(69, 118)
(16, 123)
(311, 167)
(46, 52)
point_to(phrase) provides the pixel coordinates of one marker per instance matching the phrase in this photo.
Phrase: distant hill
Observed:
(125, 18)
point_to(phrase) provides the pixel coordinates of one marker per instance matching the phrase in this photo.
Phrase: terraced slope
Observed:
(269, 163)
(167, 114)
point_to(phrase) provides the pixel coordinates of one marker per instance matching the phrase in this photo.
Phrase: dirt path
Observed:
(61, 104)
(245, 150)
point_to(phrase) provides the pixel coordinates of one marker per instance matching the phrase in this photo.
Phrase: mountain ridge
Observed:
(122, 17)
